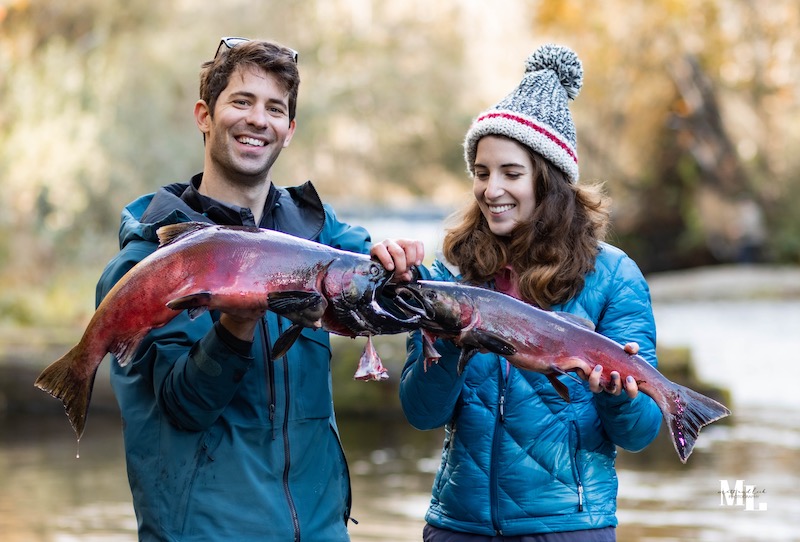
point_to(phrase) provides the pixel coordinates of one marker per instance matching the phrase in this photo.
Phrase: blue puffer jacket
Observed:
(250, 450)
(517, 459)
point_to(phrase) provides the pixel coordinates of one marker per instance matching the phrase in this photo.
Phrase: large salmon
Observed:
(549, 343)
(200, 267)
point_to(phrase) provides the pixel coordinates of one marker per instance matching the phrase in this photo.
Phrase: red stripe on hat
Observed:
(554, 138)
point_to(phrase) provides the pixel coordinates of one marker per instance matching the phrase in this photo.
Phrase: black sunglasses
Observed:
(231, 42)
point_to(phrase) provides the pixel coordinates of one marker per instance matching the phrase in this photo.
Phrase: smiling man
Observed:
(222, 441)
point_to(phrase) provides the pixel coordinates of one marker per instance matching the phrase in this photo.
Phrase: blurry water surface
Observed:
(48, 495)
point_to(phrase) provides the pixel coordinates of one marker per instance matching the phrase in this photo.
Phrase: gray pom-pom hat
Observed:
(536, 113)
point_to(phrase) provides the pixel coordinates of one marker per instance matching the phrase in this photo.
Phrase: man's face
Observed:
(249, 128)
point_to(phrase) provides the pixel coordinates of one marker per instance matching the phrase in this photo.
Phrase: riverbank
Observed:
(726, 282)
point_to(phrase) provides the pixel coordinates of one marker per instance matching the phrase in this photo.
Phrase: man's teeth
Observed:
(500, 208)
(251, 141)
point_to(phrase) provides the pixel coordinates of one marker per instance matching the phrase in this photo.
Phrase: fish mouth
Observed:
(436, 310)
(370, 308)
(384, 309)
(409, 299)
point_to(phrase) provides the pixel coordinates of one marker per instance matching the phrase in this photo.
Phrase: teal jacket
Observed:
(221, 444)
(517, 459)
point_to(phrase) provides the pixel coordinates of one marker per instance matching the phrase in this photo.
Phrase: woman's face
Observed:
(503, 183)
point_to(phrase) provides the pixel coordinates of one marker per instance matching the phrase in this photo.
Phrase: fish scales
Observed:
(551, 343)
(199, 267)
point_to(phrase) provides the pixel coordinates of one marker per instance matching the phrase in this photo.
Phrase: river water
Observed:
(750, 347)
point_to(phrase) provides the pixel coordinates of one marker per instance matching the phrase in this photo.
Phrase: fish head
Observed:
(440, 307)
(355, 293)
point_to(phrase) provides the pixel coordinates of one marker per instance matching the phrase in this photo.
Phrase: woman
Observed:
(519, 463)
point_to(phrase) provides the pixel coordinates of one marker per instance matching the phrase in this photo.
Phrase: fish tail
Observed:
(63, 380)
(688, 411)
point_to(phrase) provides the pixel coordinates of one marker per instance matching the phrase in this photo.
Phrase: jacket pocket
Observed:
(347, 490)
(204, 456)
(574, 444)
(308, 366)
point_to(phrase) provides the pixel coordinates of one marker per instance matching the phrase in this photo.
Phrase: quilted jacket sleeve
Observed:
(627, 316)
(343, 236)
(428, 396)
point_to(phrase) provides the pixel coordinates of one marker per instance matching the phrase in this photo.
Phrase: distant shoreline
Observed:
(726, 282)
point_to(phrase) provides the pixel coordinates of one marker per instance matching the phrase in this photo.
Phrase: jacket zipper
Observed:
(270, 374)
(286, 449)
(501, 417)
(576, 469)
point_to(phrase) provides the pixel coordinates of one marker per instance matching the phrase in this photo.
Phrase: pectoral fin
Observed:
(466, 354)
(286, 340)
(293, 301)
(196, 304)
(492, 342)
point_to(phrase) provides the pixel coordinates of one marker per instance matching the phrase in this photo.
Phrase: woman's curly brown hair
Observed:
(551, 253)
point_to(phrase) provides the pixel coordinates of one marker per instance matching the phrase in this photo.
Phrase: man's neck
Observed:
(251, 196)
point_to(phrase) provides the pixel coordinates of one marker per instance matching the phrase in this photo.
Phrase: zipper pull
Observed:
(502, 407)
(580, 497)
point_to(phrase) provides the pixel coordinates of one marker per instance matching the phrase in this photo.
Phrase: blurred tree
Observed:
(688, 148)
(96, 99)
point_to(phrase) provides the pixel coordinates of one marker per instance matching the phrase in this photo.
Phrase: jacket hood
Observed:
(142, 217)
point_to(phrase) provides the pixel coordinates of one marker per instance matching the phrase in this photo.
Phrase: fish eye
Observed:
(375, 270)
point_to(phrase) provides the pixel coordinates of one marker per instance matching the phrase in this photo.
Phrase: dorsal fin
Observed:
(173, 232)
(577, 320)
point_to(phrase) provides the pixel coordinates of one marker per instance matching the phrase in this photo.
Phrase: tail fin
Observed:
(62, 381)
(687, 412)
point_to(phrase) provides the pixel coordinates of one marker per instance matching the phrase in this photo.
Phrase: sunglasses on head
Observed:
(231, 42)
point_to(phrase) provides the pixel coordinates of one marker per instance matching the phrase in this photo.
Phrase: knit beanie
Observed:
(536, 113)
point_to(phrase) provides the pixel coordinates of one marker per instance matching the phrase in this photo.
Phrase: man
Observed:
(221, 440)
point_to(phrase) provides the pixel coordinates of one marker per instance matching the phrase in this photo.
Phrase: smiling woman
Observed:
(503, 183)
(534, 233)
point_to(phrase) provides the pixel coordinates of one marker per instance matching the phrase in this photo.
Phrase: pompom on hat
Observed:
(536, 113)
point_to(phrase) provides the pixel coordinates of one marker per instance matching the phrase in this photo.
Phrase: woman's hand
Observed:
(615, 386)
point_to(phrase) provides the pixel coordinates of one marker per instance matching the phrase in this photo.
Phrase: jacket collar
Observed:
(295, 210)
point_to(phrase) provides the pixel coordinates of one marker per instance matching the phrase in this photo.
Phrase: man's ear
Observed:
(290, 133)
(202, 116)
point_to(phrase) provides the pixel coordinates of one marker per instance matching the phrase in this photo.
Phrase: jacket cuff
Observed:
(241, 347)
(220, 357)
(618, 403)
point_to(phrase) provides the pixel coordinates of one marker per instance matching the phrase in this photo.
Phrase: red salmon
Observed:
(549, 343)
(201, 267)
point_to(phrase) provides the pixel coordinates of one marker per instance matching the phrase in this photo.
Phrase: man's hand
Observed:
(399, 255)
(242, 323)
